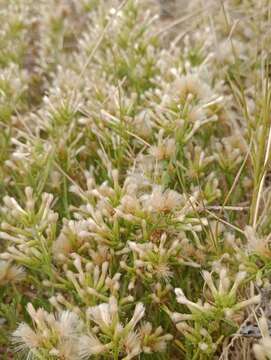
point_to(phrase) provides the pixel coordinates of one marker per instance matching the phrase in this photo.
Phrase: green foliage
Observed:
(134, 179)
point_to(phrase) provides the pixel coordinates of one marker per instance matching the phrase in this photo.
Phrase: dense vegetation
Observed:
(135, 179)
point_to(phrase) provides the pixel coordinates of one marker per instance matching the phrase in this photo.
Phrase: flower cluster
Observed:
(64, 336)
(135, 193)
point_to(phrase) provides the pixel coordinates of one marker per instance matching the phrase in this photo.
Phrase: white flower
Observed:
(257, 244)
(104, 314)
(162, 201)
(129, 204)
(68, 324)
(138, 315)
(165, 149)
(10, 273)
(193, 85)
(153, 341)
(56, 335)
(90, 345)
(132, 345)
(25, 339)
(182, 299)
